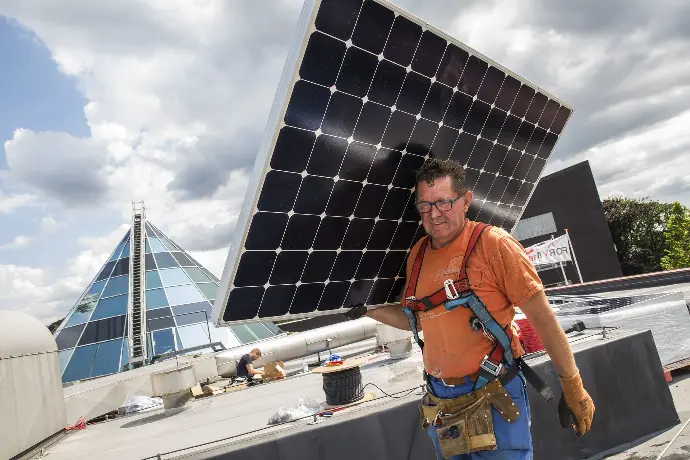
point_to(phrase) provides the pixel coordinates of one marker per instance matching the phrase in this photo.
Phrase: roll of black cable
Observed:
(343, 387)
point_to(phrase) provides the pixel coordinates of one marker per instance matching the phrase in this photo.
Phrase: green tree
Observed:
(637, 228)
(677, 239)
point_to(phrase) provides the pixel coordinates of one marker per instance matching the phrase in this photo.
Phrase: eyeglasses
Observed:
(442, 205)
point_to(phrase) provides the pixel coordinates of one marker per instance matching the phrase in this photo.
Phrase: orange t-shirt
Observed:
(501, 275)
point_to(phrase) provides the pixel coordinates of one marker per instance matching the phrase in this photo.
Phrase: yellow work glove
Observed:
(579, 402)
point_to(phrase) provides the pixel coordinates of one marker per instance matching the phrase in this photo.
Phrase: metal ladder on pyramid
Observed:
(137, 301)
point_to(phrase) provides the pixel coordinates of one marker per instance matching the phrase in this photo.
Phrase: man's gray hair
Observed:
(435, 168)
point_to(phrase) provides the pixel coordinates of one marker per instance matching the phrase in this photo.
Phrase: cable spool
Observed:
(343, 387)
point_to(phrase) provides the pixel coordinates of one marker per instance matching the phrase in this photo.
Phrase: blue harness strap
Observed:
(477, 307)
(487, 370)
(413, 326)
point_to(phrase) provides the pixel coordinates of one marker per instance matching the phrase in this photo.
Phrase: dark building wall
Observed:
(571, 196)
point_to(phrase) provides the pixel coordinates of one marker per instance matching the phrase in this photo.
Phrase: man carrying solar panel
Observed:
(463, 281)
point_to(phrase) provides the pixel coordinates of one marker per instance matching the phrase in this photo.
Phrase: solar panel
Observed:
(368, 93)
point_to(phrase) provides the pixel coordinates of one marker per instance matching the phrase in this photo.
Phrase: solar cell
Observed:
(370, 92)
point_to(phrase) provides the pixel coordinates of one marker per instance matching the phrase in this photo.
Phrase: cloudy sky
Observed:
(106, 102)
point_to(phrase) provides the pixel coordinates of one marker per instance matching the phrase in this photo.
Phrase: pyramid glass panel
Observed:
(107, 360)
(111, 306)
(182, 295)
(116, 286)
(168, 245)
(161, 341)
(209, 290)
(118, 250)
(82, 312)
(153, 280)
(177, 294)
(80, 364)
(165, 260)
(197, 275)
(64, 356)
(191, 313)
(124, 359)
(194, 333)
(150, 262)
(156, 299)
(97, 288)
(156, 245)
(69, 336)
(103, 329)
(125, 250)
(174, 277)
(106, 271)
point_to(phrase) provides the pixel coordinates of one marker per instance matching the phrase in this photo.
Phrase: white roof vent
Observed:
(22, 335)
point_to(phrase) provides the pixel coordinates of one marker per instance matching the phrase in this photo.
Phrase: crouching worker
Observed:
(464, 280)
(245, 367)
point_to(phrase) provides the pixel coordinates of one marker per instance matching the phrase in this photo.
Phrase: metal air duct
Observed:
(295, 346)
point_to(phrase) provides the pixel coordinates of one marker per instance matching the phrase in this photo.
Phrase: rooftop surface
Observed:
(233, 417)
(653, 447)
(227, 415)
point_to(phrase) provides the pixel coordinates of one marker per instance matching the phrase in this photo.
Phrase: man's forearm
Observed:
(391, 315)
(544, 321)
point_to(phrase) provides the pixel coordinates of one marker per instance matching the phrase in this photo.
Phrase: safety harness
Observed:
(456, 294)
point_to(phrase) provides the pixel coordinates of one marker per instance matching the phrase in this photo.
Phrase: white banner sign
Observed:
(550, 252)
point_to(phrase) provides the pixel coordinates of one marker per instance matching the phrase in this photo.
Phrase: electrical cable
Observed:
(343, 387)
(409, 392)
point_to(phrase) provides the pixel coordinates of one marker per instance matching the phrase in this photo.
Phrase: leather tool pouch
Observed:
(465, 424)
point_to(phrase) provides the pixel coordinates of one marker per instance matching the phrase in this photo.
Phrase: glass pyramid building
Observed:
(172, 303)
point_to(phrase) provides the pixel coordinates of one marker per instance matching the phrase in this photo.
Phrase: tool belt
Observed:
(465, 424)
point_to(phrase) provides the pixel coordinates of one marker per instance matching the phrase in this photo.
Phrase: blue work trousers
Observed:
(514, 440)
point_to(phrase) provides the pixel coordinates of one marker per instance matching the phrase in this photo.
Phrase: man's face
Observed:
(443, 226)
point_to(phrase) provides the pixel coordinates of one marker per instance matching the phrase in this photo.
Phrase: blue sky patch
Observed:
(33, 92)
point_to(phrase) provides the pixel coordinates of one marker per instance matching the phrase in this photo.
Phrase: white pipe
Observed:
(295, 346)
(572, 250)
(560, 263)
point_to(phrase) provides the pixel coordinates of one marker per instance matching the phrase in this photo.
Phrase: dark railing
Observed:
(665, 278)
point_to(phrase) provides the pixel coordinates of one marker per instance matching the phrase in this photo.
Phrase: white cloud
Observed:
(36, 291)
(49, 224)
(57, 165)
(176, 105)
(99, 248)
(651, 163)
(48, 294)
(12, 202)
(214, 260)
(17, 242)
(616, 194)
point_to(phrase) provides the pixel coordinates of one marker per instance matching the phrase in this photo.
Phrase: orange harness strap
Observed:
(449, 290)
